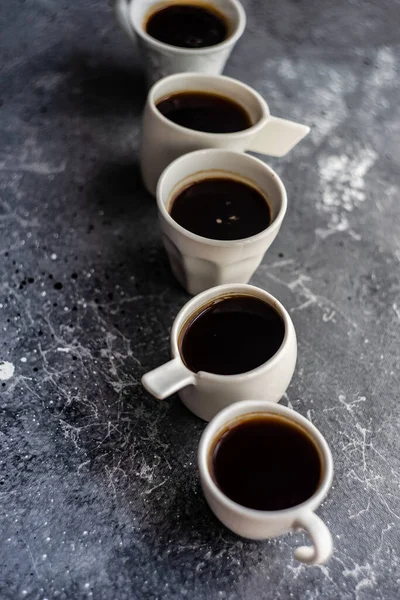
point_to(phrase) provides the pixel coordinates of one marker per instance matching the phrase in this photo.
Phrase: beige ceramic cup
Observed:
(161, 59)
(259, 524)
(163, 140)
(198, 262)
(205, 394)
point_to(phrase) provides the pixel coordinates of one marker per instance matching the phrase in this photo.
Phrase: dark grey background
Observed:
(99, 490)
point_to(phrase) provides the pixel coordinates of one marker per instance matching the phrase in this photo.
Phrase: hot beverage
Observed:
(187, 25)
(266, 462)
(221, 208)
(234, 334)
(204, 111)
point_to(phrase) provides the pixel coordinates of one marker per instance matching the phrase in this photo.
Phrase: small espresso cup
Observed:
(162, 59)
(164, 140)
(205, 394)
(260, 524)
(198, 262)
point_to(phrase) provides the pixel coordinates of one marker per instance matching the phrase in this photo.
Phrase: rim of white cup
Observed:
(224, 290)
(222, 419)
(253, 129)
(219, 152)
(233, 37)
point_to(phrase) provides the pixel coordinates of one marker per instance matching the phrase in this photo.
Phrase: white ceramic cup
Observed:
(163, 140)
(161, 59)
(205, 394)
(199, 262)
(259, 524)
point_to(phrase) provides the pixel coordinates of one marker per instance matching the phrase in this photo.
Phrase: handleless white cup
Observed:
(259, 524)
(199, 262)
(205, 394)
(162, 59)
(163, 140)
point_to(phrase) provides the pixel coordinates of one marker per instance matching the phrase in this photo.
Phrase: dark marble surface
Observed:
(99, 491)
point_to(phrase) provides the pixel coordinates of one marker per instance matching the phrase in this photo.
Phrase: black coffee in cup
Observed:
(221, 208)
(233, 334)
(204, 111)
(187, 25)
(266, 462)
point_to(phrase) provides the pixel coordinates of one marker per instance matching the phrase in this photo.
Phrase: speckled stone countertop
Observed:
(99, 492)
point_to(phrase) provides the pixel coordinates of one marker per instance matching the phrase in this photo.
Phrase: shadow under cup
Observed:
(198, 262)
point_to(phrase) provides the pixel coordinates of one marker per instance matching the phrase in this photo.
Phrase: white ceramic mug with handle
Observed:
(205, 394)
(160, 59)
(259, 524)
(163, 140)
(199, 262)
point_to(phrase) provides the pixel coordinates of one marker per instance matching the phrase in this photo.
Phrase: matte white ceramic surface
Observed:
(161, 59)
(199, 262)
(163, 141)
(205, 394)
(258, 524)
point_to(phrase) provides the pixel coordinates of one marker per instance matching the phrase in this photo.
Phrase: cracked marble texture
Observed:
(99, 493)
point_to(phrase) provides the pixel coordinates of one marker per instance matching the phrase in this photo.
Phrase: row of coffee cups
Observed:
(172, 157)
(226, 400)
(198, 262)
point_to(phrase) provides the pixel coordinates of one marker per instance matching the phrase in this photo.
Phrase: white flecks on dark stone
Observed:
(99, 488)
(6, 370)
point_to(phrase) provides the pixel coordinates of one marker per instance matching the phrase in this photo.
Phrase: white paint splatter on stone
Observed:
(321, 101)
(6, 370)
(342, 179)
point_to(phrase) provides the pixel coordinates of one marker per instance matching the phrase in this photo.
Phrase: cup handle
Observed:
(320, 537)
(168, 379)
(278, 137)
(121, 8)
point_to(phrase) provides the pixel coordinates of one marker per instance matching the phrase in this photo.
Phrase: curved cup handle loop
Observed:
(168, 379)
(320, 536)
